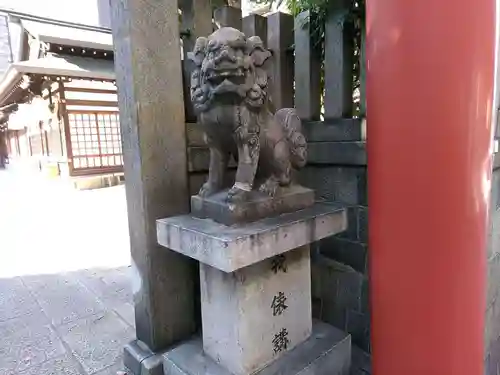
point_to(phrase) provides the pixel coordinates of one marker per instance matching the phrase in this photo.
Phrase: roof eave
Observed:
(75, 43)
(47, 71)
(8, 82)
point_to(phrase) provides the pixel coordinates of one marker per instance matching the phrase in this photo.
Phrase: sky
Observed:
(79, 11)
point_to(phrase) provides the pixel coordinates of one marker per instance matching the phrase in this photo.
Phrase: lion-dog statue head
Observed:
(229, 67)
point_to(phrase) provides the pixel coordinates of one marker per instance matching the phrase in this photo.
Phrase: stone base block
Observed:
(97, 182)
(258, 206)
(258, 313)
(326, 352)
(142, 361)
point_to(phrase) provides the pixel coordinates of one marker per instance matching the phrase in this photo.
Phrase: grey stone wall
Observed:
(492, 329)
(340, 263)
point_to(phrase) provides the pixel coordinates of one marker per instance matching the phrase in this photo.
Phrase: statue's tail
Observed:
(292, 125)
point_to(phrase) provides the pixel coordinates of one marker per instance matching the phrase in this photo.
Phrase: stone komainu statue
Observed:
(229, 93)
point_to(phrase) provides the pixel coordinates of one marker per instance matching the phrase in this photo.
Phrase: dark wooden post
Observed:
(280, 41)
(197, 18)
(255, 24)
(362, 74)
(307, 70)
(339, 62)
(3, 147)
(149, 79)
(228, 16)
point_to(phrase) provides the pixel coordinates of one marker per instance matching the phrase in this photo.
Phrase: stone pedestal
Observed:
(252, 315)
(256, 294)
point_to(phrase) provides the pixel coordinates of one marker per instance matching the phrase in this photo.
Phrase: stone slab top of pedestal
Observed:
(258, 206)
(229, 248)
(326, 352)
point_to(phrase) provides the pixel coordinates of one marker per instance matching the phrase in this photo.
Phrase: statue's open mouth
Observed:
(219, 76)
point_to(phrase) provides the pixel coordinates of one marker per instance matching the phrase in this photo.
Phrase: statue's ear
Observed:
(198, 53)
(257, 51)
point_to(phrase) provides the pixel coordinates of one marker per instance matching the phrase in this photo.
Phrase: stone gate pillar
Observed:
(150, 92)
(430, 99)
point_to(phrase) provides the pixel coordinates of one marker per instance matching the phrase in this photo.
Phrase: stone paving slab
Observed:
(126, 311)
(65, 365)
(116, 369)
(112, 286)
(97, 341)
(28, 347)
(15, 299)
(15, 325)
(63, 298)
(66, 324)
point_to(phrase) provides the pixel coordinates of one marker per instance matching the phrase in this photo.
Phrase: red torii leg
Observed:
(430, 84)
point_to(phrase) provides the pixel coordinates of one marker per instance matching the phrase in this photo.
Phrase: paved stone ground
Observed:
(65, 301)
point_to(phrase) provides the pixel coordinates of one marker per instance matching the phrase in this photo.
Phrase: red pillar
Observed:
(430, 95)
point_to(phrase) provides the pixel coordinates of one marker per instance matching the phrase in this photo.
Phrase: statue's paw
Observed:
(269, 187)
(236, 195)
(207, 189)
